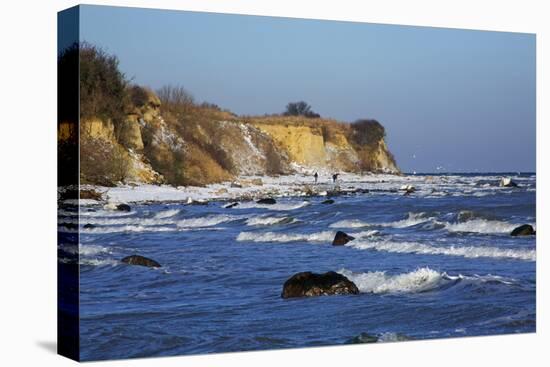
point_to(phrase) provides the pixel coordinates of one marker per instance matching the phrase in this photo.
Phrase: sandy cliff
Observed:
(204, 145)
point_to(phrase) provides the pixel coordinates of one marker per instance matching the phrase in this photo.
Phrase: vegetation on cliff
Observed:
(130, 133)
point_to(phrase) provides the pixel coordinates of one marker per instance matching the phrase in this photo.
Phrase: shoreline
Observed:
(248, 188)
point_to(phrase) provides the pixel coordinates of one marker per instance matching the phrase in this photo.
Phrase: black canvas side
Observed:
(68, 343)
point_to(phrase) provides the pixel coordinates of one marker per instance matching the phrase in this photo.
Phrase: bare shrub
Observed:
(102, 162)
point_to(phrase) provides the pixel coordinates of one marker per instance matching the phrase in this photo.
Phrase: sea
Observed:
(438, 263)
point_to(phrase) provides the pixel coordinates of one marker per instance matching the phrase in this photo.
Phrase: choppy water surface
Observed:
(438, 263)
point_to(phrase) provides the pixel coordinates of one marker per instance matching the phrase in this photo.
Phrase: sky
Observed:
(451, 100)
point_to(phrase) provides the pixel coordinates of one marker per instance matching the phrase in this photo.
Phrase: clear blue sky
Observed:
(459, 99)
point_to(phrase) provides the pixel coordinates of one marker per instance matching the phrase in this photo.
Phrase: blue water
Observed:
(430, 265)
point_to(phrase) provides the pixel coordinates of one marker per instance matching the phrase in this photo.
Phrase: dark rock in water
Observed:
(231, 205)
(507, 182)
(381, 338)
(308, 284)
(341, 239)
(89, 226)
(123, 207)
(328, 201)
(524, 230)
(140, 260)
(269, 201)
(69, 225)
(363, 338)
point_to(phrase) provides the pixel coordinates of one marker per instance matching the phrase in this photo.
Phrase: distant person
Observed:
(316, 175)
(335, 177)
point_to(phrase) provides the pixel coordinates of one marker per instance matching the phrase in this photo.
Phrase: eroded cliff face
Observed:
(209, 146)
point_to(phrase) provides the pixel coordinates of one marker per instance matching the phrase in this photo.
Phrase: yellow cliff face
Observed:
(304, 144)
(201, 145)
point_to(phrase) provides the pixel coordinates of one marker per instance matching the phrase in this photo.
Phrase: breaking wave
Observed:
(464, 251)
(349, 223)
(167, 213)
(208, 221)
(269, 221)
(419, 280)
(481, 226)
(324, 236)
(277, 206)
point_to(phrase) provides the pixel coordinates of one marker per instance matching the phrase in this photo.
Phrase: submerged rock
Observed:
(380, 338)
(123, 207)
(89, 226)
(69, 225)
(507, 182)
(523, 230)
(140, 260)
(341, 238)
(268, 201)
(363, 338)
(308, 284)
(328, 201)
(231, 205)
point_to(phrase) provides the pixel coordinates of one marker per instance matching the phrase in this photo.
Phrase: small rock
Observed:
(257, 182)
(231, 205)
(268, 201)
(236, 185)
(363, 338)
(123, 208)
(69, 225)
(89, 226)
(308, 284)
(507, 182)
(328, 201)
(140, 260)
(524, 230)
(341, 238)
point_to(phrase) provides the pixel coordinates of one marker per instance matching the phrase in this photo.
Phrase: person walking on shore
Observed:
(316, 175)
(334, 177)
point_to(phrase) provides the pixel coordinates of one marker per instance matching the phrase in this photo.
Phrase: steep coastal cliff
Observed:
(130, 134)
(146, 147)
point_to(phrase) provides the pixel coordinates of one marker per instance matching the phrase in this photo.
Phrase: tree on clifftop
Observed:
(103, 91)
(300, 109)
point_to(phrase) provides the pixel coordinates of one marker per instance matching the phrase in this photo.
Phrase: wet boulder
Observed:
(230, 205)
(308, 284)
(507, 182)
(524, 230)
(341, 238)
(141, 261)
(268, 201)
(123, 208)
(328, 201)
(89, 226)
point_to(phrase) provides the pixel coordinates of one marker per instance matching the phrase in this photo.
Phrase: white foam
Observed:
(99, 262)
(128, 228)
(420, 280)
(126, 220)
(277, 206)
(349, 223)
(268, 221)
(324, 236)
(465, 251)
(106, 213)
(481, 226)
(167, 213)
(208, 221)
(411, 220)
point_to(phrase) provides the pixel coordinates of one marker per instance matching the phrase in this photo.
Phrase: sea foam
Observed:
(420, 280)
(464, 251)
